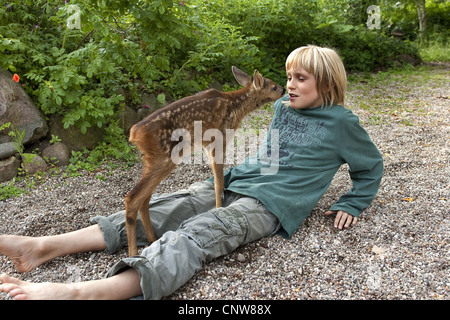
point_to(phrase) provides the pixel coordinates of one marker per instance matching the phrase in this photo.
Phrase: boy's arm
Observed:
(365, 169)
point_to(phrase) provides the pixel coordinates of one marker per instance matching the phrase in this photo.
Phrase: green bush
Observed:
(159, 46)
(166, 47)
(278, 27)
(281, 26)
(77, 81)
(368, 50)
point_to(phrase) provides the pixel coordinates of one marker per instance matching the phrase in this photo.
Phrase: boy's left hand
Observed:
(343, 219)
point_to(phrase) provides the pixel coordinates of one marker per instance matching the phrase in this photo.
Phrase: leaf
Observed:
(343, 28)
(161, 98)
(410, 199)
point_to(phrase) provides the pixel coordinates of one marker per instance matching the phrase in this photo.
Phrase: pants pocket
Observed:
(217, 232)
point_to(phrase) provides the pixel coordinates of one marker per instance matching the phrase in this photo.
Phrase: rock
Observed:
(378, 250)
(33, 163)
(72, 136)
(8, 168)
(57, 154)
(240, 257)
(17, 108)
(7, 149)
(143, 113)
(150, 104)
(411, 59)
(398, 34)
(127, 119)
(150, 101)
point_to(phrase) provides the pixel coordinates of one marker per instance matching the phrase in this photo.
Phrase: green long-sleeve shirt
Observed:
(312, 145)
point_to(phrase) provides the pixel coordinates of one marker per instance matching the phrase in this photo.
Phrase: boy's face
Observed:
(302, 90)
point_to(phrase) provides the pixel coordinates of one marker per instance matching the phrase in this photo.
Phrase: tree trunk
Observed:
(421, 12)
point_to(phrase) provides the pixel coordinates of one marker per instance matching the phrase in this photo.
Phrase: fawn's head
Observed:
(264, 88)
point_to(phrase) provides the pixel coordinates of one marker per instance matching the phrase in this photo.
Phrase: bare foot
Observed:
(121, 286)
(24, 290)
(25, 252)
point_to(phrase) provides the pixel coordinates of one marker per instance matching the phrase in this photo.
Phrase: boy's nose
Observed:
(290, 84)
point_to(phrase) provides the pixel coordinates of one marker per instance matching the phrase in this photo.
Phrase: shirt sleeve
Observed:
(365, 169)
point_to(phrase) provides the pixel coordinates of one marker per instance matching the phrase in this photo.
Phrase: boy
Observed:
(316, 135)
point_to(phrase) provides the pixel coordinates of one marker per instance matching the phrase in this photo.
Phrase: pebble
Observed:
(240, 257)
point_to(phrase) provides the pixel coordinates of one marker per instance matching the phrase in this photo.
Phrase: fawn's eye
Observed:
(274, 88)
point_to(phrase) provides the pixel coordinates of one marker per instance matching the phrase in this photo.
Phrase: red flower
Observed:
(16, 77)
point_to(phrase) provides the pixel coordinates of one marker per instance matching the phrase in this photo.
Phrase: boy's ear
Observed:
(258, 79)
(329, 87)
(241, 77)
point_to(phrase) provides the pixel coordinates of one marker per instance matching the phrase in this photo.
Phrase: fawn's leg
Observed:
(164, 169)
(138, 200)
(131, 215)
(134, 201)
(216, 160)
(145, 217)
(218, 182)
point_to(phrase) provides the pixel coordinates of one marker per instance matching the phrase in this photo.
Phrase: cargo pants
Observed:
(190, 232)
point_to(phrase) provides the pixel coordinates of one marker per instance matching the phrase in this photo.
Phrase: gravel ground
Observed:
(398, 250)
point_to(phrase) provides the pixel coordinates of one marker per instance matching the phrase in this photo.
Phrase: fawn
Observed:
(153, 137)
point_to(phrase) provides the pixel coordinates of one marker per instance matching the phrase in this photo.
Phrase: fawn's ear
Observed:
(241, 77)
(258, 79)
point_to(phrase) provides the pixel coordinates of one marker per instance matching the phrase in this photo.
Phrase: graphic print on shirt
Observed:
(296, 129)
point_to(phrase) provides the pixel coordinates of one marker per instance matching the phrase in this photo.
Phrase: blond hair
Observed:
(327, 68)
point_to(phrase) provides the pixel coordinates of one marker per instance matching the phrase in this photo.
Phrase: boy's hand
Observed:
(343, 219)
